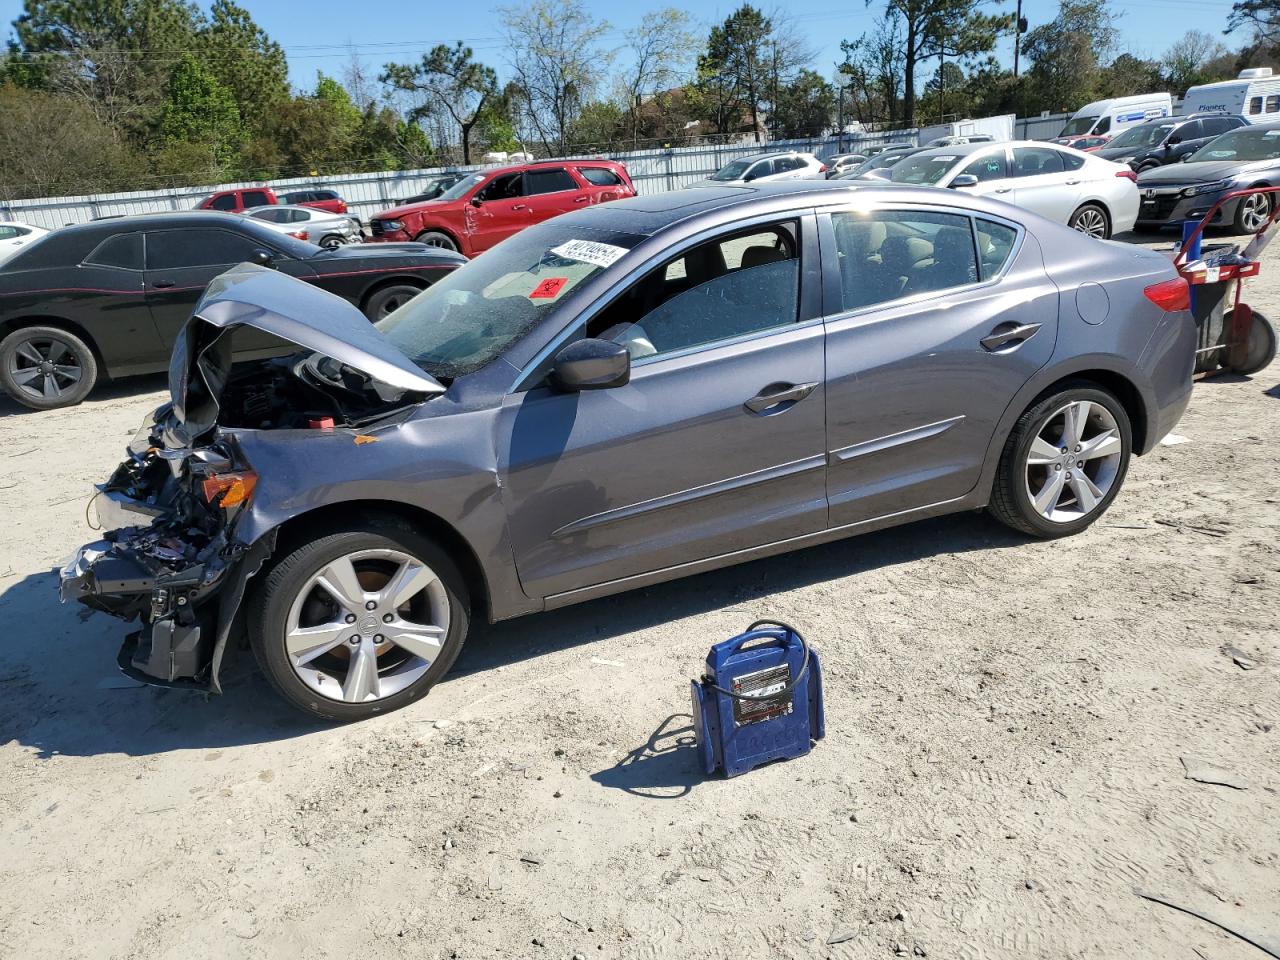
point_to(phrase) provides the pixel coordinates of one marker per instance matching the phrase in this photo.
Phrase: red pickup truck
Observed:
(484, 208)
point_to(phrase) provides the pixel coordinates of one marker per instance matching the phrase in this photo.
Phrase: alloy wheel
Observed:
(45, 367)
(1254, 212)
(1092, 223)
(367, 625)
(1073, 461)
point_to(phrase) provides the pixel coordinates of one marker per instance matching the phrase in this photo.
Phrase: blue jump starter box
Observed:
(760, 700)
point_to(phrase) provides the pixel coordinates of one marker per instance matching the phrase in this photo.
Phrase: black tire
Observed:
(437, 238)
(332, 241)
(1247, 208)
(1011, 501)
(270, 607)
(1258, 350)
(1091, 212)
(384, 301)
(19, 368)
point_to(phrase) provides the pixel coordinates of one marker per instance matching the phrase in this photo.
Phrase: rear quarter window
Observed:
(600, 177)
(123, 251)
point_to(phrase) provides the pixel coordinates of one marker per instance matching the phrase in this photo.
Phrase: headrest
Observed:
(860, 238)
(758, 256)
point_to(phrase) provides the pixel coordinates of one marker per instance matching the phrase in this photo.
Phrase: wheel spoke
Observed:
(1086, 491)
(406, 583)
(339, 580)
(28, 351)
(421, 639)
(1074, 420)
(362, 674)
(1104, 444)
(26, 375)
(57, 350)
(304, 644)
(1047, 499)
(1042, 452)
(50, 387)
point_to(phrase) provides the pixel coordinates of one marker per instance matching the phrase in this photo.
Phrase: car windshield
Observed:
(1245, 144)
(1077, 126)
(878, 162)
(924, 168)
(733, 170)
(459, 189)
(470, 317)
(1147, 135)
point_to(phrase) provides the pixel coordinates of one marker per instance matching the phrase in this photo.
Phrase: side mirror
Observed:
(748, 178)
(591, 364)
(1173, 141)
(261, 257)
(476, 201)
(964, 180)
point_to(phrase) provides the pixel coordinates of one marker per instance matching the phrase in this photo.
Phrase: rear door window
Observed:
(256, 198)
(890, 254)
(548, 181)
(1034, 161)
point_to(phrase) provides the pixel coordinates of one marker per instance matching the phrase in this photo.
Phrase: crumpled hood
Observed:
(254, 296)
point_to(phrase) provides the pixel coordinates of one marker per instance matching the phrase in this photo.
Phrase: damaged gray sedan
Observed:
(617, 397)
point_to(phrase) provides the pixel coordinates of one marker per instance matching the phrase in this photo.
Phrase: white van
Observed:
(1106, 118)
(1254, 95)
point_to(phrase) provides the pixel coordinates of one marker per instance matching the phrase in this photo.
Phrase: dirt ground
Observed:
(1006, 728)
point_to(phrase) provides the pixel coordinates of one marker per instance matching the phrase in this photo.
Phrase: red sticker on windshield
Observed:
(548, 289)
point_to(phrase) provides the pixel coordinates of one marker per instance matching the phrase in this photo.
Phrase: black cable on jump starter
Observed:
(791, 685)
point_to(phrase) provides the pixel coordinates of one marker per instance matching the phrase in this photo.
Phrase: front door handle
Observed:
(520, 206)
(1009, 334)
(163, 284)
(581, 199)
(1072, 183)
(1003, 189)
(778, 397)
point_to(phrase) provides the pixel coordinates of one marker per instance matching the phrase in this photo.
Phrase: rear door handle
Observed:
(520, 206)
(1002, 189)
(1072, 183)
(581, 199)
(163, 284)
(1009, 334)
(778, 397)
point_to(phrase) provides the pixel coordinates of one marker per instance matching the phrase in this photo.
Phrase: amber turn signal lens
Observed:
(234, 488)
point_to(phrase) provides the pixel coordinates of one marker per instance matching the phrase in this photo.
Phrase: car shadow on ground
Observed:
(61, 693)
(113, 390)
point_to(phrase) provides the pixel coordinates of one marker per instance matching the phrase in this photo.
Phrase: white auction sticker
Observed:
(589, 251)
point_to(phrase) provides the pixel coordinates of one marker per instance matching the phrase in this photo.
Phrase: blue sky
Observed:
(317, 35)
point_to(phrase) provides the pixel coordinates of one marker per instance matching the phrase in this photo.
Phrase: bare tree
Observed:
(1185, 60)
(662, 50)
(557, 62)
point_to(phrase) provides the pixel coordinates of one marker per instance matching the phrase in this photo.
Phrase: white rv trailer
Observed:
(1254, 95)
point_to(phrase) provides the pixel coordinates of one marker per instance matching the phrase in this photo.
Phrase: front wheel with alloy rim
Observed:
(389, 299)
(1063, 463)
(437, 238)
(1252, 212)
(46, 367)
(360, 622)
(1091, 220)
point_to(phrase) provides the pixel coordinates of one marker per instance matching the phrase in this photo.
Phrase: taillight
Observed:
(229, 489)
(1128, 175)
(300, 234)
(1170, 295)
(823, 168)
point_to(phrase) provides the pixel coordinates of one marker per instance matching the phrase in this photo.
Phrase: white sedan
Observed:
(307, 223)
(766, 168)
(1090, 194)
(14, 236)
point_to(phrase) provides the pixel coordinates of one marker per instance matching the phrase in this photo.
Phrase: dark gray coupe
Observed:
(623, 395)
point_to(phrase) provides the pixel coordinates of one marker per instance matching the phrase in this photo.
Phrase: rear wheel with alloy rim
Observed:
(1063, 463)
(1252, 212)
(46, 367)
(1091, 220)
(360, 622)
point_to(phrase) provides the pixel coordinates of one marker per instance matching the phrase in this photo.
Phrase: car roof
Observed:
(312, 211)
(719, 205)
(164, 218)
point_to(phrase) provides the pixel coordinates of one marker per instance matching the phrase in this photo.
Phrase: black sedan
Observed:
(107, 299)
(1243, 158)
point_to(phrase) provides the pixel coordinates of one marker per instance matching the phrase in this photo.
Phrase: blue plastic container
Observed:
(759, 701)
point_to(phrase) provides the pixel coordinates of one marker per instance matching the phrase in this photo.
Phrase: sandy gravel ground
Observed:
(1007, 722)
